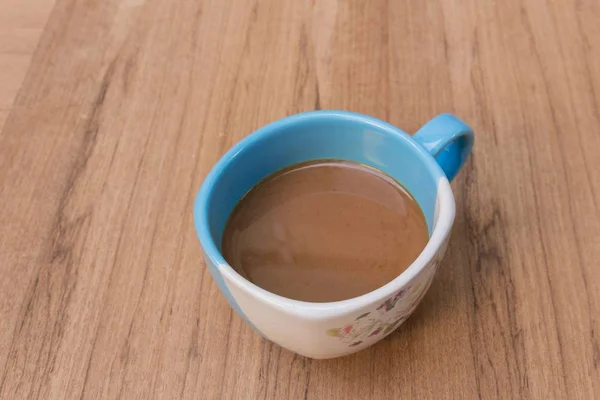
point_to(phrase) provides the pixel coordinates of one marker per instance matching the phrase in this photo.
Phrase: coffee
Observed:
(324, 231)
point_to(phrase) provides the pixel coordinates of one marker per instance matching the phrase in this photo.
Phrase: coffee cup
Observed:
(424, 164)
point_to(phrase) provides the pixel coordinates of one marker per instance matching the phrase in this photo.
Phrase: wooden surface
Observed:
(112, 112)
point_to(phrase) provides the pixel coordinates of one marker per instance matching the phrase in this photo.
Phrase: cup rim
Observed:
(445, 210)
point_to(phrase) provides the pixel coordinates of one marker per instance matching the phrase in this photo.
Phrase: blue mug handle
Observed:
(448, 140)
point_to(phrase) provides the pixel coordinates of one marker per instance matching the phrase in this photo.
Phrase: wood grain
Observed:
(110, 120)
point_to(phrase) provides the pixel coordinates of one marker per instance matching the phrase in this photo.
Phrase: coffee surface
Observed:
(324, 231)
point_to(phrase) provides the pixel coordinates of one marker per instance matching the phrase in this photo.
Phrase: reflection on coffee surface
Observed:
(324, 231)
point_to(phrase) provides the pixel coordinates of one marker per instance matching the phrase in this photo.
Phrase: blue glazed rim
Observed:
(444, 215)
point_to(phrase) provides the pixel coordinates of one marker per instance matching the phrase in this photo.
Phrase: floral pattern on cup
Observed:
(388, 315)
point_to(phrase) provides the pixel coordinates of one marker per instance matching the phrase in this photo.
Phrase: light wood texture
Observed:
(124, 106)
(21, 24)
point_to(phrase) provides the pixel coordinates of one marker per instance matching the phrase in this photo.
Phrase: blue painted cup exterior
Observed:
(423, 163)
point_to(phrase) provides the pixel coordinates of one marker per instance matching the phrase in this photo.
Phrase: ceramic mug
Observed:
(423, 164)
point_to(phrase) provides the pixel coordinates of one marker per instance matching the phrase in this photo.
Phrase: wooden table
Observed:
(112, 112)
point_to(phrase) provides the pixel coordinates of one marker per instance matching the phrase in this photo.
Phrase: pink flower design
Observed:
(389, 315)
